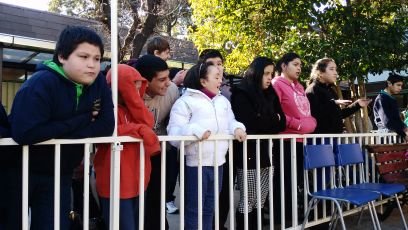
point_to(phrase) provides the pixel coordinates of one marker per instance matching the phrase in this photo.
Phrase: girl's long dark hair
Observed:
(285, 59)
(255, 71)
(253, 82)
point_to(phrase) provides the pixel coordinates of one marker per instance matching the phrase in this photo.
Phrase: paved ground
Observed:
(391, 223)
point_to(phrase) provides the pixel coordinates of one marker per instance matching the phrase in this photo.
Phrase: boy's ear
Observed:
(156, 52)
(389, 83)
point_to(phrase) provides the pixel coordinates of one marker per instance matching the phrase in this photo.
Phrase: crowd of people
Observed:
(69, 98)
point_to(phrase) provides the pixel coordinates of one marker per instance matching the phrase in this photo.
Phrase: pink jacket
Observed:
(295, 105)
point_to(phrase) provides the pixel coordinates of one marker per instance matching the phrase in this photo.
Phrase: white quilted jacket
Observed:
(193, 114)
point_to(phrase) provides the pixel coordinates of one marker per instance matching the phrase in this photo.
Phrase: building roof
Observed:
(28, 36)
(36, 24)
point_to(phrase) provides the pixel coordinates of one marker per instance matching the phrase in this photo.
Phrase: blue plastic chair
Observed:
(321, 156)
(351, 154)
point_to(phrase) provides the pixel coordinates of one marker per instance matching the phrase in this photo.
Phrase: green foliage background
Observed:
(362, 36)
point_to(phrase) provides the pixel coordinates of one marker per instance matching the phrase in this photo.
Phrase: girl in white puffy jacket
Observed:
(203, 111)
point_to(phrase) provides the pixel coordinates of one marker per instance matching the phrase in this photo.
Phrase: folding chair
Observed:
(351, 154)
(321, 156)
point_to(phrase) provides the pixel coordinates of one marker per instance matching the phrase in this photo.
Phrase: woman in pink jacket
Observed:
(299, 120)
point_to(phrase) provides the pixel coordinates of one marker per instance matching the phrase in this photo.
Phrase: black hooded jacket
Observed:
(4, 124)
(9, 155)
(328, 114)
(261, 113)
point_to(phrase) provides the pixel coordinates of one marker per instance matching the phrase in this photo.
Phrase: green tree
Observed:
(138, 19)
(363, 36)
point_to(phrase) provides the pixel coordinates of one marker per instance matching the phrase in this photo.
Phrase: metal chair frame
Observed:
(348, 155)
(322, 156)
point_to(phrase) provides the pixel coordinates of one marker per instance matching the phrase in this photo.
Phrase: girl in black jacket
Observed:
(325, 105)
(324, 102)
(256, 104)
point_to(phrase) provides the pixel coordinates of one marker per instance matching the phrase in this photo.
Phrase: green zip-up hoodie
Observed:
(79, 88)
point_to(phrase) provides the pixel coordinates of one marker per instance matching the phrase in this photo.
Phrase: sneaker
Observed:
(171, 208)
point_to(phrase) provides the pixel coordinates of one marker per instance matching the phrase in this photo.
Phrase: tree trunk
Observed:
(141, 37)
(364, 112)
(358, 122)
(134, 5)
(129, 37)
(168, 28)
(106, 13)
(353, 97)
(148, 28)
(347, 122)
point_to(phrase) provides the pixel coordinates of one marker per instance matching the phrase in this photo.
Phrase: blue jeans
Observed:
(41, 201)
(191, 196)
(128, 213)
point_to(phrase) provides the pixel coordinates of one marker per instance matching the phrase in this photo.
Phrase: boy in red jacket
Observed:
(134, 119)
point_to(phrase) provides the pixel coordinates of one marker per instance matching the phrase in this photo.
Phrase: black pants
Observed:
(287, 182)
(152, 204)
(95, 214)
(172, 171)
(41, 201)
(4, 197)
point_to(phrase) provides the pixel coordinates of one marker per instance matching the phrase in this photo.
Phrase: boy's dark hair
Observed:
(209, 53)
(255, 70)
(148, 66)
(394, 78)
(71, 37)
(285, 59)
(195, 74)
(157, 43)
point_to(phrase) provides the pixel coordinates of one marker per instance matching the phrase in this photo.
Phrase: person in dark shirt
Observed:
(4, 124)
(66, 98)
(4, 132)
(386, 110)
(325, 107)
(324, 102)
(214, 56)
(160, 47)
(256, 104)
